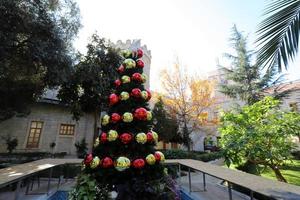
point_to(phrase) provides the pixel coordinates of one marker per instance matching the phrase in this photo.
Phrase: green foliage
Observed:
(81, 148)
(259, 133)
(165, 124)
(87, 188)
(88, 88)
(246, 81)
(35, 50)
(11, 143)
(278, 33)
(181, 154)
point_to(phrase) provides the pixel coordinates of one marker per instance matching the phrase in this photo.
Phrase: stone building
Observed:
(49, 121)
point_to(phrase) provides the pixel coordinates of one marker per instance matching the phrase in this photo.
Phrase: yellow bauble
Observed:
(124, 96)
(105, 120)
(162, 156)
(125, 79)
(144, 94)
(150, 159)
(127, 117)
(155, 136)
(129, 63)
(122, 163)
(112, 135)
(126, 53)
(141, 138)
(144, 77)
(97, 141)
(149, 115)
(95, 162)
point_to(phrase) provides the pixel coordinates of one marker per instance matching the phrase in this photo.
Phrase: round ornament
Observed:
(95, 162)
(140, 63)
(115, 117)
(150, 137)
(150, 159)
(159, 156)
(126, 138)
(149, 115)
(105, 120)
(144, 78)
(121, 69)
(107, 162)
(88, 159)
(136, 92)
(112, 135)
(124, 96)
(140, 114)
(118, 82)
(129, 63)
(113, 99)
(103, 137)
(149, 94)
(136, 77)
(140, 53)
(127, 117)
(122, 163)
(155, 136)
(138, 163)
(97, 142)
(144, 95)
(141, 138)
(126, 53)
(125, 79)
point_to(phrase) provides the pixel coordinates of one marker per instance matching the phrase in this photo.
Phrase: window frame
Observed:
(64, 128)
(33, 130)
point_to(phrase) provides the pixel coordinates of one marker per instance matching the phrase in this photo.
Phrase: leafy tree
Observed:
(11, 143)
(35, 50)
(246, 80)
(88, 88)
(259, 134)
(165, 123)
(278, 33)
(81, 148)
(189, 99)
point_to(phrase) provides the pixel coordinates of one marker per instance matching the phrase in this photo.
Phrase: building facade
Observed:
(51, 122)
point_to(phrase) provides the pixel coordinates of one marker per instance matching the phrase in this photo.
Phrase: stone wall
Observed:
(52, 116)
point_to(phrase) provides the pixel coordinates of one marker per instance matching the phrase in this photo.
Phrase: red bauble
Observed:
(107, 162)
(138, 163)
(103, 137)
(115, 117)
(136, 77)
(121, 69)
(88, 159)
(149, 137)
(139, 63)
(140, 114)
(157, 156)
(139, 53)
(149, 95)
(126, 138)
(136, 92)
(113, 99)
(118, 82)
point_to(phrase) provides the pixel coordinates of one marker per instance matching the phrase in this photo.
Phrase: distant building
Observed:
(50, 121)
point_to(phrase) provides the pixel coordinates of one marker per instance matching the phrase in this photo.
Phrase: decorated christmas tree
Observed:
(124, 158)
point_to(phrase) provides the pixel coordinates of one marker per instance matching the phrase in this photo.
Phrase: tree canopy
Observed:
(35, 50)
(260, 133)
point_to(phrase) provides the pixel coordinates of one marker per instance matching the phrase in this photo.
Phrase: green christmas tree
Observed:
(124, 158)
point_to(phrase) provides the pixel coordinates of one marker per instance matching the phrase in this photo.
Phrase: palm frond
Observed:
(278, 34)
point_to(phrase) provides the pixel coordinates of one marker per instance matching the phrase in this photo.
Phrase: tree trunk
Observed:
(278, 174)
(187, 137)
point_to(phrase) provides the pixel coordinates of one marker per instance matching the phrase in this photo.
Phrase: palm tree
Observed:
(278, 33)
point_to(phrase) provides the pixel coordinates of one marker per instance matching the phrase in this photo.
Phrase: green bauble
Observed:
(129, 63)
(144, 77)
(127, 117)
(155, 136)
(95, 162)
(126, 53)
(105, 120)
(144, 94)
(122, 163)
(125, 79)
(124, 96)
(112, 135)
(149, 115)
(150, 159)
(141, 138)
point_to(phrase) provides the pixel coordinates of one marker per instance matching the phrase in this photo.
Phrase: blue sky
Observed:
(196, 31)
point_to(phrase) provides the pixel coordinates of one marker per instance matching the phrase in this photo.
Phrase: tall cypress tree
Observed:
(124, 157)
